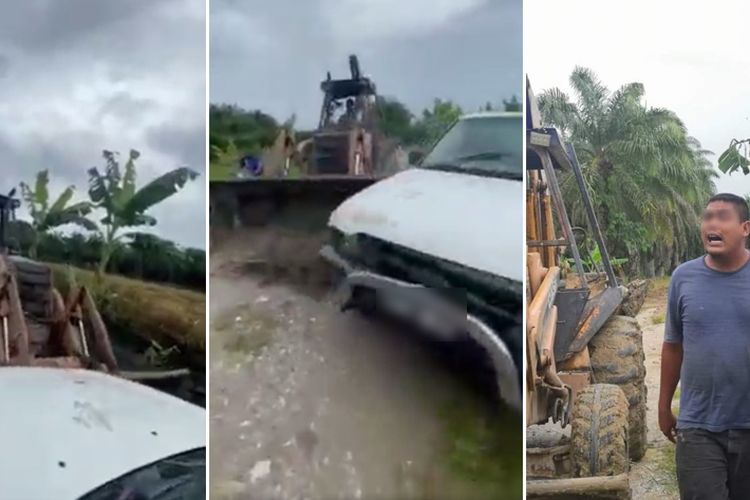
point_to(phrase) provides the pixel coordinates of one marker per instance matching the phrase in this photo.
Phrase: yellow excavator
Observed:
(585, 361)
(347, 142)
(286, 198)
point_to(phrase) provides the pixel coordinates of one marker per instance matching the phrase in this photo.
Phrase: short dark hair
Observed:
(738, 201)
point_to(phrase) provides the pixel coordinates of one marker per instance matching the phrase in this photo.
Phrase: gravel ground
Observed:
(309, 402)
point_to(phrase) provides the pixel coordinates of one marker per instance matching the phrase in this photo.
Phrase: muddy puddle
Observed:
(309, 402)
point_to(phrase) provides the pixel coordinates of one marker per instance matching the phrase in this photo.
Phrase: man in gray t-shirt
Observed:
(707, 349)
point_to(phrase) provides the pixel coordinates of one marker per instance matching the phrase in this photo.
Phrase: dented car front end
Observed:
(442, 247)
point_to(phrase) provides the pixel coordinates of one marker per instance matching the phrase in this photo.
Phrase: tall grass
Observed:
(164, 314)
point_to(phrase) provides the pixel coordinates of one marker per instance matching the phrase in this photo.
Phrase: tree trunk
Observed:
(107, 248)
(106, 254)
(34, 247)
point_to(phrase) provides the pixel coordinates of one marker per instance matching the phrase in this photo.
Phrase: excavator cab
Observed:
(343, 143)
(351, 99)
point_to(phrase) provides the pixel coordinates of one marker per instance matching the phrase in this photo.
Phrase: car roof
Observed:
(493, 114)
(65, 432)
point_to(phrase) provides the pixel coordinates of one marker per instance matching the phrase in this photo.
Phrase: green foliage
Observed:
(153, 312)
(236, 132)
(735, 157)
(509, 105)
(593, 261)
(125, 206)
(513, 104)
(435, 121)
(482, 451)
(647, 178)
(45, 217)
(250, 131)
(141, 256)
(225, 161)
(160, 356)
(398, 122)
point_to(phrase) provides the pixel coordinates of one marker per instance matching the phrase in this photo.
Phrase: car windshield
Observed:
(179, 477)
(488, 145)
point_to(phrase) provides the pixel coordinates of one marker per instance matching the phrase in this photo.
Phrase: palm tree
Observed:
(45, 216)
(647, 177)
(125, 206)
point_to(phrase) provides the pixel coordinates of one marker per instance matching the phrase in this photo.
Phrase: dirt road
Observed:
(653, 477)
(309, 402)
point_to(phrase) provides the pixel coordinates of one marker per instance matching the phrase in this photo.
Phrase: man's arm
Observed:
(671, 363)
(671, 360)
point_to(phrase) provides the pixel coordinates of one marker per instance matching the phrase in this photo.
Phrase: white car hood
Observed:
(467, 219)
(66, 432)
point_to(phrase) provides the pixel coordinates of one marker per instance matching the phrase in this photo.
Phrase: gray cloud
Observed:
(80, 76)
(187, 144)
(272, 55)
(701, 78)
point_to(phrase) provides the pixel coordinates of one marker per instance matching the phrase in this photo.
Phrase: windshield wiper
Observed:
(485, 172)
(487, 155)
(498, 174)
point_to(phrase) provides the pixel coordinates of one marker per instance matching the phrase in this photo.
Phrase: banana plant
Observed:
(114, 191)
(45, 216)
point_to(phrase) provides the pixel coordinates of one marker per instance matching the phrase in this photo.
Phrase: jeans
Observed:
(713, 465)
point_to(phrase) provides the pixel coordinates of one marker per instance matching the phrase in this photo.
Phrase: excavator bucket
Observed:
(280, 225)
(281, 214)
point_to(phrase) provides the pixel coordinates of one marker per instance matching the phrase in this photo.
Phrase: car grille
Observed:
(483, 292)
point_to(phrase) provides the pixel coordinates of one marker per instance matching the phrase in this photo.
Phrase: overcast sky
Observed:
(79, 76)
(692, 58)
(273, 55)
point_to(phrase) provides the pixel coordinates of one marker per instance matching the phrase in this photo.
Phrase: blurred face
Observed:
(722, 231)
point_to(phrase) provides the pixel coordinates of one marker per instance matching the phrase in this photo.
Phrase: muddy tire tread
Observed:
(599, 435)
(617, 357)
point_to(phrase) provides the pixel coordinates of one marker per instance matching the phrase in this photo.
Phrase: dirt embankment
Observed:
(167, 315)
(152, 327)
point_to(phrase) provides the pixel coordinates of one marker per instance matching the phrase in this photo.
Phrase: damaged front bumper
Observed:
(444, 318)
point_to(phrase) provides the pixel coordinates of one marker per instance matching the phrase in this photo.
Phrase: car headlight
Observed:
(344, 244)
(349, 244)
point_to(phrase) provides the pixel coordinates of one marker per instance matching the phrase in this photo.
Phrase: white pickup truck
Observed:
(442, 243)
(82, 434)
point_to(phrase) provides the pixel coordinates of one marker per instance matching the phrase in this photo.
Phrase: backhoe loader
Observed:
(585, 362)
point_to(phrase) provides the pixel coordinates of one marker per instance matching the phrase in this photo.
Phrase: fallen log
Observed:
(582, 488)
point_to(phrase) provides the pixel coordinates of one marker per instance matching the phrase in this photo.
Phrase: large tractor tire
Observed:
(599, 433)
(617, 358)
